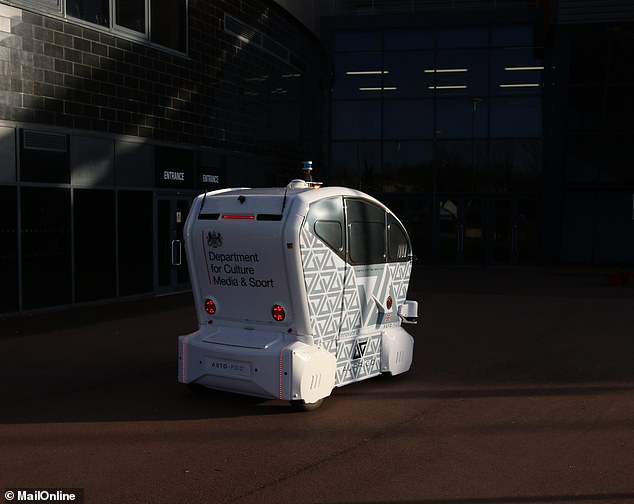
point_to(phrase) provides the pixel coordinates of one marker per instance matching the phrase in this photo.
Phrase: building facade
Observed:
(114, 115)
(497, 129)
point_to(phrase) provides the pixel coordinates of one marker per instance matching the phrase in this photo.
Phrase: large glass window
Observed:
(408, 119)
(8, 250)
(169, 23)
(130, 14)
(408, 40)
(460, 73)
(325, 219)
(366, 231)
(46, 249)
(356, 120)
(94, 237)
(135, 242)
(398, 248)
(408, 166)
(460, 90)
(358, 75)
(516, 71)
(93, 11)
(44, 157)
(408, 74)
(516, 117)
(356, 164)
(462, 118)
(168, 18)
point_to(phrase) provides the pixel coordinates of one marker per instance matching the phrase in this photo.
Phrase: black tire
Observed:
(304, 406)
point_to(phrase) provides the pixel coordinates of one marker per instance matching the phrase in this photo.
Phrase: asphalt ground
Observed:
(521, 391)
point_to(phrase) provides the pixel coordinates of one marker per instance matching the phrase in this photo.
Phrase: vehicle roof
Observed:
(264, 195)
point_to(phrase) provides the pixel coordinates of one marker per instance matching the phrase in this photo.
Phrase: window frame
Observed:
(61, 12)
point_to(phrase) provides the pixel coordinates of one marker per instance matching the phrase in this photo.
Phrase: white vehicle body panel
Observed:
(251, 249)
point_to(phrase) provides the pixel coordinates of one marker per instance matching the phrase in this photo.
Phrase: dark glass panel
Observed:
(462, 37)
(398, 247)
(163, 242)
(7, 155)
(620, 109)
(135, 242)
(325, 218)
(448, 229)
(578, 221)
(44, 157)
(516, 71)
(357, 165)
(586, 108)
(8, 250)
(461, 73)
(358, 75)
(408, 40)
(408, 166)
(461, 165)
(472, 230)
(46, 252)
(527, 231)
(356, 120)
(358, 41)
(502, 230)
(614, 239)
(619, 162)
(169, 23)
(462, 118)
(516, 117)
(130, 14)
(588, 54)
(408, 119)
(515, 165)
(621, 53)
(512, 36)
(407, 76)
(93, 11)
(366, 228)
(95, 245)
(583, 158)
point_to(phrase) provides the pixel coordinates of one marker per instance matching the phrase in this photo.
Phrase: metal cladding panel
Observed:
(594, 11)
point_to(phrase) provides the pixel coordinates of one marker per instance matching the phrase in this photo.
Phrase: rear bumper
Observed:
(282, 368)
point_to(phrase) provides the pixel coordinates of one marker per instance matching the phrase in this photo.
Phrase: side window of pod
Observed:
(325, 220)
(398, 244)
(366, 232)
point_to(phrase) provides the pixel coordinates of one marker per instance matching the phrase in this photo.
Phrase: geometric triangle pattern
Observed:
(324, 273)
(358, 358)
(344, 316)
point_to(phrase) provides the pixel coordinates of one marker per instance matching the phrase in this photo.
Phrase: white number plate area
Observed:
(229, 367)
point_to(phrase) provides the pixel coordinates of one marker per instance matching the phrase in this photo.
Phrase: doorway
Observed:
(172, 274)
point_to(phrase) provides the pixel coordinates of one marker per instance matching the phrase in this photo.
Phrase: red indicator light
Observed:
(278, 313)
(388, 303)
(239, 217)
(210, 306)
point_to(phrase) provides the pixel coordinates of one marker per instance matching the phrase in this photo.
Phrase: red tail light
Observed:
(388, 303)
(278, 313)
(210, 306)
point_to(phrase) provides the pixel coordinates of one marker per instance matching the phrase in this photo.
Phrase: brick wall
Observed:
(224, 93)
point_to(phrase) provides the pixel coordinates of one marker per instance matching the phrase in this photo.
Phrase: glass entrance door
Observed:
(460, 227)
(170, 213)
(514, 230)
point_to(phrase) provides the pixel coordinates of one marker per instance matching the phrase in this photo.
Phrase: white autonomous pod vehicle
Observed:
(297, 291)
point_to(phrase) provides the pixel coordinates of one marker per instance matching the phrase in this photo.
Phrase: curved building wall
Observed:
(111, 122)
